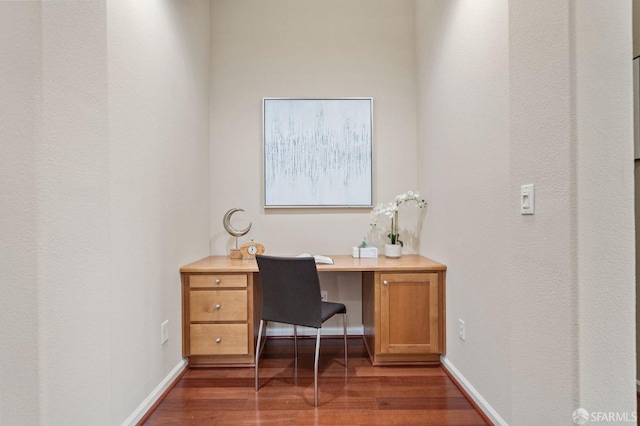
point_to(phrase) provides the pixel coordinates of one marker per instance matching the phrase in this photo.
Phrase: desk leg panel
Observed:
(368, 312)
(257, 309)
(185, 315)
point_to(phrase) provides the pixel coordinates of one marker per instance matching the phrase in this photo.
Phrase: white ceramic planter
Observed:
(393, 250)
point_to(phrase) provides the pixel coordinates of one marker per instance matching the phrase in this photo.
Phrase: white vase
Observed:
(393, 250)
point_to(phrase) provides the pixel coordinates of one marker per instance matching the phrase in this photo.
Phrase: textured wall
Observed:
(637, 221)
(542, 96)
(159, 171)
(636, 53)
(307, 48)
(636, 28)
(543, 248)
(464, 153)
(104, 196)
(73, 215)
(605, 232)
(20, 85)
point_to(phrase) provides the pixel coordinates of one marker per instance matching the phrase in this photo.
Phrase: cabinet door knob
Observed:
(217, 306)
(218, 281)
(218, 340)
(385, 282)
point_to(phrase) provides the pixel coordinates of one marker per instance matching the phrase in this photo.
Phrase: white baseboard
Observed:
(475, 395)
(155, 394)
(284, 330)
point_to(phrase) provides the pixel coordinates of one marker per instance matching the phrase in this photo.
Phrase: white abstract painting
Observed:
(317, 152)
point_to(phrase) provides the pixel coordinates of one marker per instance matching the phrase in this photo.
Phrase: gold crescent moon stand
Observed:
(234, 253)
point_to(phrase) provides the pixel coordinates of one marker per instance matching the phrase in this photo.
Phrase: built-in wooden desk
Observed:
(403, 308)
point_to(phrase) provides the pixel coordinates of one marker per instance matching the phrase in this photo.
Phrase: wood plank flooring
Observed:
(359, 395)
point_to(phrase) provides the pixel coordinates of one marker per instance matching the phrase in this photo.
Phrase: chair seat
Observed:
(329, 309)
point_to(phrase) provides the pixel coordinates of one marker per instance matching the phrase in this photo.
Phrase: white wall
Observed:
(605, 204)
(159, 175)
(463, 137)
(73, 215)
(108, 196)
(544, 278)
(308, 48)
(20, 86)
(542, 95)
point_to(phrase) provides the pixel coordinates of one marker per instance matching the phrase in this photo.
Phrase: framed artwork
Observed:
(317, 152)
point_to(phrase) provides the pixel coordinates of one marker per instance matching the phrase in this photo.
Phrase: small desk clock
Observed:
(250, 249)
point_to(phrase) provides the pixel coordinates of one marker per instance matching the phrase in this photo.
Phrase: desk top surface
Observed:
(342, 263)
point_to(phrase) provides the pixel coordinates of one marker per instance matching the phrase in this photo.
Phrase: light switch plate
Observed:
(527, 199)
(164, 331)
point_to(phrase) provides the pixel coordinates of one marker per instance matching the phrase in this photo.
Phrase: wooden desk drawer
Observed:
(218, 281)
(219, 339)
(218, 305)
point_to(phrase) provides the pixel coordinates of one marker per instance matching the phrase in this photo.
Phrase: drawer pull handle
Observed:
(385, 282)
(218, 281)
(217, 306)
(218, 340)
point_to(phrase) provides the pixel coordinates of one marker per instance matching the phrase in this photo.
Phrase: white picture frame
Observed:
(318, 152)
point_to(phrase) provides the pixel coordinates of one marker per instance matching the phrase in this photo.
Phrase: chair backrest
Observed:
(290, 290)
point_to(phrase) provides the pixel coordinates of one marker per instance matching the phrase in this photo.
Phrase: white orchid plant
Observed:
(390, 210)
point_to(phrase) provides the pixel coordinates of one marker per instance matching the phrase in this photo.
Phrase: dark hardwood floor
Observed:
(360, 395)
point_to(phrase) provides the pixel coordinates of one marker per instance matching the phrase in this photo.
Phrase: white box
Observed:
(364, 252)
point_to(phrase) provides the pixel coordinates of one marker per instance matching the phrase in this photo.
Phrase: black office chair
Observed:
(291, 295)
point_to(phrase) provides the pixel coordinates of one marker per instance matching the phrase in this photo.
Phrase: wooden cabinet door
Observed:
(409, 313)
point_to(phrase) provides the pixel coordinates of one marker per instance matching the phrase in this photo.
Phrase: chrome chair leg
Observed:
(258, 350)
(344, 323)
(295, 341)
(315, 370)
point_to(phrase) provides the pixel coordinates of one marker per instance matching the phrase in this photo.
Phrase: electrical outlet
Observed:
(461, 331)
(164, 331)
(324, 296)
